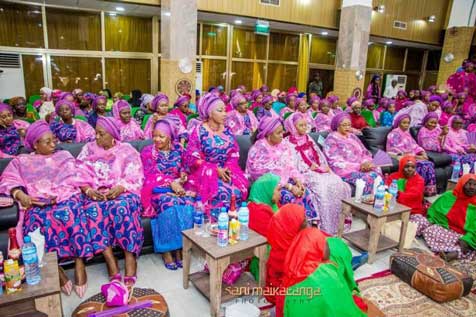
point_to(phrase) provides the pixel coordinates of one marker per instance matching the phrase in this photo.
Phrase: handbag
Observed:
(430, 275)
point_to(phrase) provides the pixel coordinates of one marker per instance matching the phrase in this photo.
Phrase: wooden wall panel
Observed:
(33, 74)
(74, 72)
(414, 12)
(214, 40)
(126, 74)
(283, 47)
(247, 44)
(394, 58)
(21, 25)
(212, 72)
(281, 76)
(249, 74)
(316, 12)
(323, 50)
(128, 34)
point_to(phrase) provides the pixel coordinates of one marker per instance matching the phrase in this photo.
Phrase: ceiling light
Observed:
(324, 33)
(121, 9)
(238, 21)
(388, 42)
(431, 18)
(167, 14)
(112, 14)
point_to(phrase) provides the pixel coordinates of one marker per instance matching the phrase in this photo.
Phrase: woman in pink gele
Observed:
(160, 109)
(181, 109)
(456, 143)
(465, 79)
(112, 199)
(241, 121)
(256, 98)
(68, 129)
(266, 109)
(129, 129)
(323, 119)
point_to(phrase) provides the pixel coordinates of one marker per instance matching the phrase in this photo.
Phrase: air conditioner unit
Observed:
(12, 82)
(198, 76)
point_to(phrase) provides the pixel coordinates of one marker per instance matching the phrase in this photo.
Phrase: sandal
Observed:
(80, 290)
(130, 280)
(67, 287)
(179, 264)
(115, 277)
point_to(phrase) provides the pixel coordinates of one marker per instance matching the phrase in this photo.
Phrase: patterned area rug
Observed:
(396, 298)
(469, 267)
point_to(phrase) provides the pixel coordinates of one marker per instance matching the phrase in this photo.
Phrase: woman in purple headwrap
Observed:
(241, 121)
(431, 136)
(99, 110)
(314, 105)
(159, 108)
(257, 98)
(425, 96)
(269, 154)
(374, 90)
(46, 184)
(86, 104)
(347, 156)
(181, 109)
(112, 198)
(211, 159)
(461, 80)
(401, 99)
(68, 129)
(323, 119)
(10, 140)
(266, 109)
(130, 130)
(448, 109)
(163, 195)
(291, 105)
(387, 116)
(456, 143)
(434, 105)
(318, 178)
(417, 110)
(303, 107)
(401, 143)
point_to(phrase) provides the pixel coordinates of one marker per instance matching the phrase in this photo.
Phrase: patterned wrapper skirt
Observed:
(64, 225)
(115, 222)
(223, 198)
(426, 169)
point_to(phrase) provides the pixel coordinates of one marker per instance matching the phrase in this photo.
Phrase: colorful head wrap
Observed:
(89, 97)
(145, 100)
(65, 94)
(168, 126)
(182, 99)
(266, 99)
(430, 115)
(266, 126)
(444, 96)
(453, 118)
(262, 190)
(461, 95)
(237, 99)
(368, 102)
(289, 123)
(399, 118)
(207, 104)
(292, 90)
(289, 96)
(118, 106)
(264, 88)
(337, 120)
(157, 99)
(109, 124)
(323, 102)
(275, 93)
(56, 93)
(301, 94)
(351, 100)
(4, 106)
(436, 98)
(432, 88)
(447, 104)
(64, 102)
(409, 103)
(384, 102)
(77, 91)
(256, 93)
(47, 91)
(333, 99)
(401, 93)
(35, 131)
(95, 102)
(314, 99)
(467, 63)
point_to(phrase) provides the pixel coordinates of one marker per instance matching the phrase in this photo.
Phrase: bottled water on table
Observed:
(198, 217)
(379, 202)
(456, 170)
(30, 260)
(393, 189)
(244, 219)
(222, 236)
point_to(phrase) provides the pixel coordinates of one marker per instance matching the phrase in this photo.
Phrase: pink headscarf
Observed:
(109, 124)
(181, 100)
(436, 98)
(290, 122)
(65, 94)
(237, 99)
(256, 93)
(118, 106)
(266, 99)
(338, 118)
(4, 106)
(207, 104)
(266, 126)
(35, 131)
(289, 96)
(351, 100)
(167, 126)
(333, 99)
(399, 118)
(157, 99)
(324, 102)
(63, 102)
(96, 100)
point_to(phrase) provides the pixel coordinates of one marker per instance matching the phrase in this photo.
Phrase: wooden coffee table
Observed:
(44, 297)
(218, 259)
(372, 240)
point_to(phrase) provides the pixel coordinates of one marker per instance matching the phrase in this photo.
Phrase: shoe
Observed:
(80, 290)
(358, 261)
(130, 280)
(67, 288)
(171, 266)
(115, 277)
(179, 263)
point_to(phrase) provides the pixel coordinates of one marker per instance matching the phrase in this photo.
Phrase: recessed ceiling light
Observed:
(112, 14)
(238, 21)
(121, 9)
(431, 18)
(388, 42)
(325, 33)
(167, 14)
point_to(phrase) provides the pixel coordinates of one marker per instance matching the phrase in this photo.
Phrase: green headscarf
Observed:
(262, 190)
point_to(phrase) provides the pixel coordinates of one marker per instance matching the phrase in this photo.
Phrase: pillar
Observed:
(458, 38)
(352, 46)
(303, 63)
(178, 40)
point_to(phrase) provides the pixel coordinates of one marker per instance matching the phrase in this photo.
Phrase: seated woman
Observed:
(68, 129)
(257, 99)
(456, 143)
(45, 95)
(323, 119)
(347, 156)
(269, 154)
(431, 136)
(112, 202)
(10, 140)
(241, 121)
(291, 105)
(159, 108)
(314, 262)
(357, 120)
(211, 159)
(400, 99)
(181, 109)
(266, 109)
(400, 142)
(447, 111)
(130, 130)
(23, 114)
(163, 196)
(303, 108)
(369, 113)
(410, 185)
(317, 176)
(283, 228)
(143, 112)
(388, 114)
(450, 224)
(334, 101)
(47, 186)
(99, 110)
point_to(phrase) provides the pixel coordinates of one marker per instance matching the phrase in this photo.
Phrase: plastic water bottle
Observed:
(393, 189)
(222, 236)
(198, 217)
(244, 219)
(456, 170)
(30, 260)
(379, 202)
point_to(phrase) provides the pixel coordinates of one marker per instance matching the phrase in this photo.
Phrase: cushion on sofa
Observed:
(73, 148)
(315, 136)
(375, 138)
(8, 217)
(244, 142)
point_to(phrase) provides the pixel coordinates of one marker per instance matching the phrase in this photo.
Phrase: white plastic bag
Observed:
(39, 241)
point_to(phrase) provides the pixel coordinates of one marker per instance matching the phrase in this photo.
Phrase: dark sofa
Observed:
(374, 139)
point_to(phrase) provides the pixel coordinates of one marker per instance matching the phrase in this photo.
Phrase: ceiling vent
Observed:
(270, 2)
(10, 60)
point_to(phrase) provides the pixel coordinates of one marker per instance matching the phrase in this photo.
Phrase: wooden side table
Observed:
(372, 240)
(218, 259)
(44, 297)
